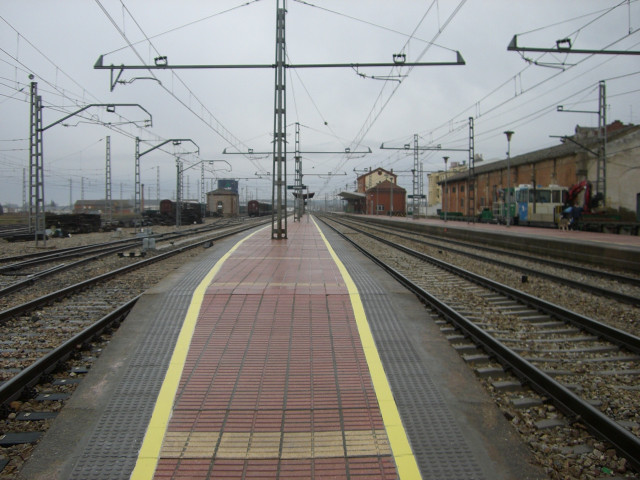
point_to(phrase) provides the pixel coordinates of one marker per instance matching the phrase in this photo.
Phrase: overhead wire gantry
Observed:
(278, 224)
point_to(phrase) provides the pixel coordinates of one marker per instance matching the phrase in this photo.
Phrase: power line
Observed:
(498, 106)
(175, 29)
(410, 36)
(373, 115)
(214, 124)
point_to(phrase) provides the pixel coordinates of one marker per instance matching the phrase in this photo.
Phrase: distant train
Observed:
(258, 209)
(532, 205)
(73, 222)
(190, 213)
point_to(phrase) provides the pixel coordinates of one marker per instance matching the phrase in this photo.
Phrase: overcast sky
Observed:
(337, 108)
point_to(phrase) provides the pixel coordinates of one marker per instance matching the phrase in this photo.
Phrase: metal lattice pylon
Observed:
(107, 189)
(36, 169)
(279, 171)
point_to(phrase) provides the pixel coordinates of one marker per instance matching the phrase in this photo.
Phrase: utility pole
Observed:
(418, 192)
(278, 197)
(203, 197)
(138, 154)
(24, 189)
(107, 184)
(444, 191)
(178, 192)
(158, 186)
(298, 201)
(509, 196)
(471, 177)
(601, 154)
(415, 177)
(601, 177)
(36, 167)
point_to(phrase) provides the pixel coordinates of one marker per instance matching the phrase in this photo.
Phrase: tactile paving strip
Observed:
(112, 450)
(436, 439)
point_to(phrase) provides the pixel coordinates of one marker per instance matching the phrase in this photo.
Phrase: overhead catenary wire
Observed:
(373, 115)
(79, 100)
(485, 112)
(214, 124)
(188, 24)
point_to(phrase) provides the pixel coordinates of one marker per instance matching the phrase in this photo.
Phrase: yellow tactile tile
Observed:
(233, 445)
(367, 443)
(297, 445)
(264, 445)
(267, 444)
(189, 444)
(328, 444)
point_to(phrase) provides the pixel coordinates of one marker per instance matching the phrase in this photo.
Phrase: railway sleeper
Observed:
(11, 439)
(489, 372)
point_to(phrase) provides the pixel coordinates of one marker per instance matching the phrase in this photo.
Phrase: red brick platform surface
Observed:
(276, 384)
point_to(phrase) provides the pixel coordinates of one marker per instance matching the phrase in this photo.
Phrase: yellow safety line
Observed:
(402, 453)
(150, 450)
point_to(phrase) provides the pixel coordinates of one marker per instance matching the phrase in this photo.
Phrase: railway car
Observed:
(190, 212)
(532, 205)
(74, 222)
(258, 209)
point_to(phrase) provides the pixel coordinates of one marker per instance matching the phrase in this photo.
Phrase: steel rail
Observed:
(552, 263)
(78, 253)
(619, 337)
(51, 297)
(32, 279)
(13, 388)
(64, 251)
(31, 259)
(621, 297)
(624, 441)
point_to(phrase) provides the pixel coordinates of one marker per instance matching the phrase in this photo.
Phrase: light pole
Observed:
(508, 133)
(444, 205)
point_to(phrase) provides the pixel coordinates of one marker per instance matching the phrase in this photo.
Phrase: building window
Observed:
(453, 189)
(461, 188)
(380, 208)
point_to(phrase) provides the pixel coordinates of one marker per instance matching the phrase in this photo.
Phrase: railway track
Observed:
(46, 340)
(25, 270)
(553, 359)
(561, 283)
(568, 273)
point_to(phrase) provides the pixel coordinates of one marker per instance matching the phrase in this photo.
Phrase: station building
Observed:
(377, 193)
(566, 164)
(223, 203)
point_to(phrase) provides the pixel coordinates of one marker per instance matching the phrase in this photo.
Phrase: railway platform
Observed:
(604, 249)
(271, 359)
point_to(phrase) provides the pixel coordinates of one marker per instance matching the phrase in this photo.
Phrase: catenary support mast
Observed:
(278, 194)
